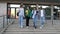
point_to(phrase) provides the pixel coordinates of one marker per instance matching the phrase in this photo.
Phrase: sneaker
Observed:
(27, 27)
(21, 26)
(40, 27)
(35, 27)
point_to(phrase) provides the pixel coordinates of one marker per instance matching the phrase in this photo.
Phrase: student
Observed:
(42, 17)
(21, 15)
(34, 16)
(27, 15)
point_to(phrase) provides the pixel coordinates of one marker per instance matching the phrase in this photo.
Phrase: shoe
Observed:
(35, 27)
(40, 27)
(21, 26)
(27, 27)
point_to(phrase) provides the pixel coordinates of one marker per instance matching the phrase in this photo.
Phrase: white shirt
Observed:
(21, 11)
(42, 13)
(34, 13)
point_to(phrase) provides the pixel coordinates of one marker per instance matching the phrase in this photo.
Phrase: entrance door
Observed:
(13, 10)
(12, 13)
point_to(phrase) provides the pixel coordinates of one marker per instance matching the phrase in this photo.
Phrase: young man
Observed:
(42, 17)
(21, 15)
(34, 16)
(27, 15)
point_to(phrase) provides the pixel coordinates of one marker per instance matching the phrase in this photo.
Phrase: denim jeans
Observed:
(42, 21)
(20, 21)
(35, 21)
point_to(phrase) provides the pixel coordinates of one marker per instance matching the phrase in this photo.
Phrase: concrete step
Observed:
(32, 33)
(47, 29)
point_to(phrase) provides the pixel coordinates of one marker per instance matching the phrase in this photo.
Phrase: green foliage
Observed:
(48, 11)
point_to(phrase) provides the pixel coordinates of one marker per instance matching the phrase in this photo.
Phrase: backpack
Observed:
(36, 12)
(17, 13)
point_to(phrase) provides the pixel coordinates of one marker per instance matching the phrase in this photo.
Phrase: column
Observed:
(52, 14)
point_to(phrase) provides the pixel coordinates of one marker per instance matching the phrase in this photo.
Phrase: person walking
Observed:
(27, 15)
(34, 17)
(42, 17)
(21, 15)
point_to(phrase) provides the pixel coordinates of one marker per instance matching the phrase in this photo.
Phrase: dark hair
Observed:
(40, 7)
(21, 5)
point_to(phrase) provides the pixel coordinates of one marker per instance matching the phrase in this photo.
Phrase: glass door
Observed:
(12, 13)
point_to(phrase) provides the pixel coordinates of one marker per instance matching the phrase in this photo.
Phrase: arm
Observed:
(23, 11)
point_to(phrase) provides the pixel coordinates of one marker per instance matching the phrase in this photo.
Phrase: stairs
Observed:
(47, 29)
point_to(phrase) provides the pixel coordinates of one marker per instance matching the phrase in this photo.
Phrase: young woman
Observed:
(34, 17)
(27, 15)
(21, 15)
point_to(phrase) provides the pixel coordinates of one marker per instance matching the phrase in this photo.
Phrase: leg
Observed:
(41, 22)
(34, 21)
(21, 21)
(27, 21)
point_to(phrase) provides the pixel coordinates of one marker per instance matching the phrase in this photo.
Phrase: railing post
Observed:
(3, 21)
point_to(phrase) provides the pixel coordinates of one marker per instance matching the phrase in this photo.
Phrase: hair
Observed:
(21, 5)
(40, 7)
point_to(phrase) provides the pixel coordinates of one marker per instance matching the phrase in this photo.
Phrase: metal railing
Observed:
(4, 23)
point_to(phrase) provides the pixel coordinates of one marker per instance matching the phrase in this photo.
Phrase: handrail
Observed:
(3, 18)
(2, 15)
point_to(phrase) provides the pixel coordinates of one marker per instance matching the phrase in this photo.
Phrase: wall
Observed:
(3, 11)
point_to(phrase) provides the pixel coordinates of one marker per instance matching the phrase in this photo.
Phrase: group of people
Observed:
(27, 13)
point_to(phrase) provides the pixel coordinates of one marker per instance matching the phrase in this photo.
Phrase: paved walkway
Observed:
(47, 29)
